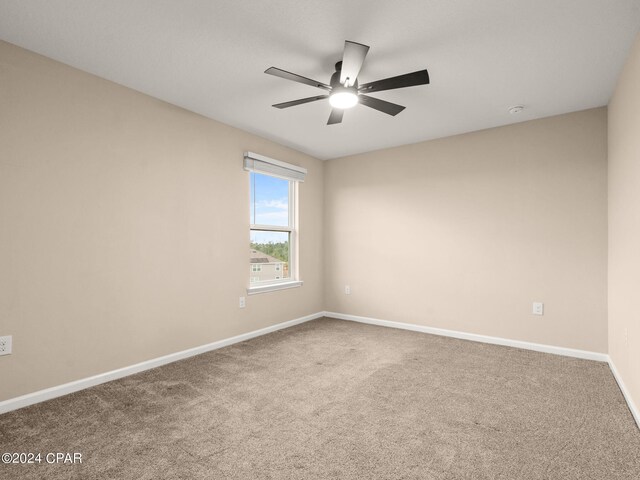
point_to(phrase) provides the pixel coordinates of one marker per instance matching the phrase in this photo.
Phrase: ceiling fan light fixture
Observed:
(343, 90)
(343, 98)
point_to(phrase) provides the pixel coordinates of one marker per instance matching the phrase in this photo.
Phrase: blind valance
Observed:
(261, 164)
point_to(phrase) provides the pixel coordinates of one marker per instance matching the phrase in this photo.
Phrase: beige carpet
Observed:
(334, 399)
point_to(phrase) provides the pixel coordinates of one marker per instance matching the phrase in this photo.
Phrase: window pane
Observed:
(269, 256)
(269, 200)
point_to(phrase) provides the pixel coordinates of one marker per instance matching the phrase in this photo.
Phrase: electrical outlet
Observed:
(538, 308)
(5, 345)
(347, 290)
(243, 302)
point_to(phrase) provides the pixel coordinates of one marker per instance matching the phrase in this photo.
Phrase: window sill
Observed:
(273, 287)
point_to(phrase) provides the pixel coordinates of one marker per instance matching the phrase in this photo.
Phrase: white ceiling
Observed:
(208, 56)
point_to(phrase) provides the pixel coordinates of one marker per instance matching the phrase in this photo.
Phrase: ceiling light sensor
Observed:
(516, 109)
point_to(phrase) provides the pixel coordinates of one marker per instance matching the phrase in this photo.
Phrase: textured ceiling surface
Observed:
(208, 56)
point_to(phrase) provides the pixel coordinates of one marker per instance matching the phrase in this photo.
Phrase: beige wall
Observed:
(464, 233)
(123, 221)
(624, 225)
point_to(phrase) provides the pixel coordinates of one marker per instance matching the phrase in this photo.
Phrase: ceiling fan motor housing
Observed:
(335, 81)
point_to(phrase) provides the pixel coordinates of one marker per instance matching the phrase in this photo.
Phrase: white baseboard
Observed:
(567, 352)
(65, 389)
(625, 393)
(58, 391)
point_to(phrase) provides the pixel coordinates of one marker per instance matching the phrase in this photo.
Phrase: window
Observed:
(273, 231)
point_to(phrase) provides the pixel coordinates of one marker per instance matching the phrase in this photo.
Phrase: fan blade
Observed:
(278, 72)
(336, 116)
(377, 104)
(293, 103)
(352, 60)
(407, 80)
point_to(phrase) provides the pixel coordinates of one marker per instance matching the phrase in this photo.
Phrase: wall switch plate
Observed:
(347, 290)
(243, 302)
(538, 308)
(5, 345)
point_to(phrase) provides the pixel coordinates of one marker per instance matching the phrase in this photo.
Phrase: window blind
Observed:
(261, 164)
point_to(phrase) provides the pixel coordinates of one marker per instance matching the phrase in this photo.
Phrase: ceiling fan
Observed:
(343, 89)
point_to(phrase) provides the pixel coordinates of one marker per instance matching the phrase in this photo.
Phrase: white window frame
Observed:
(292, 229)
